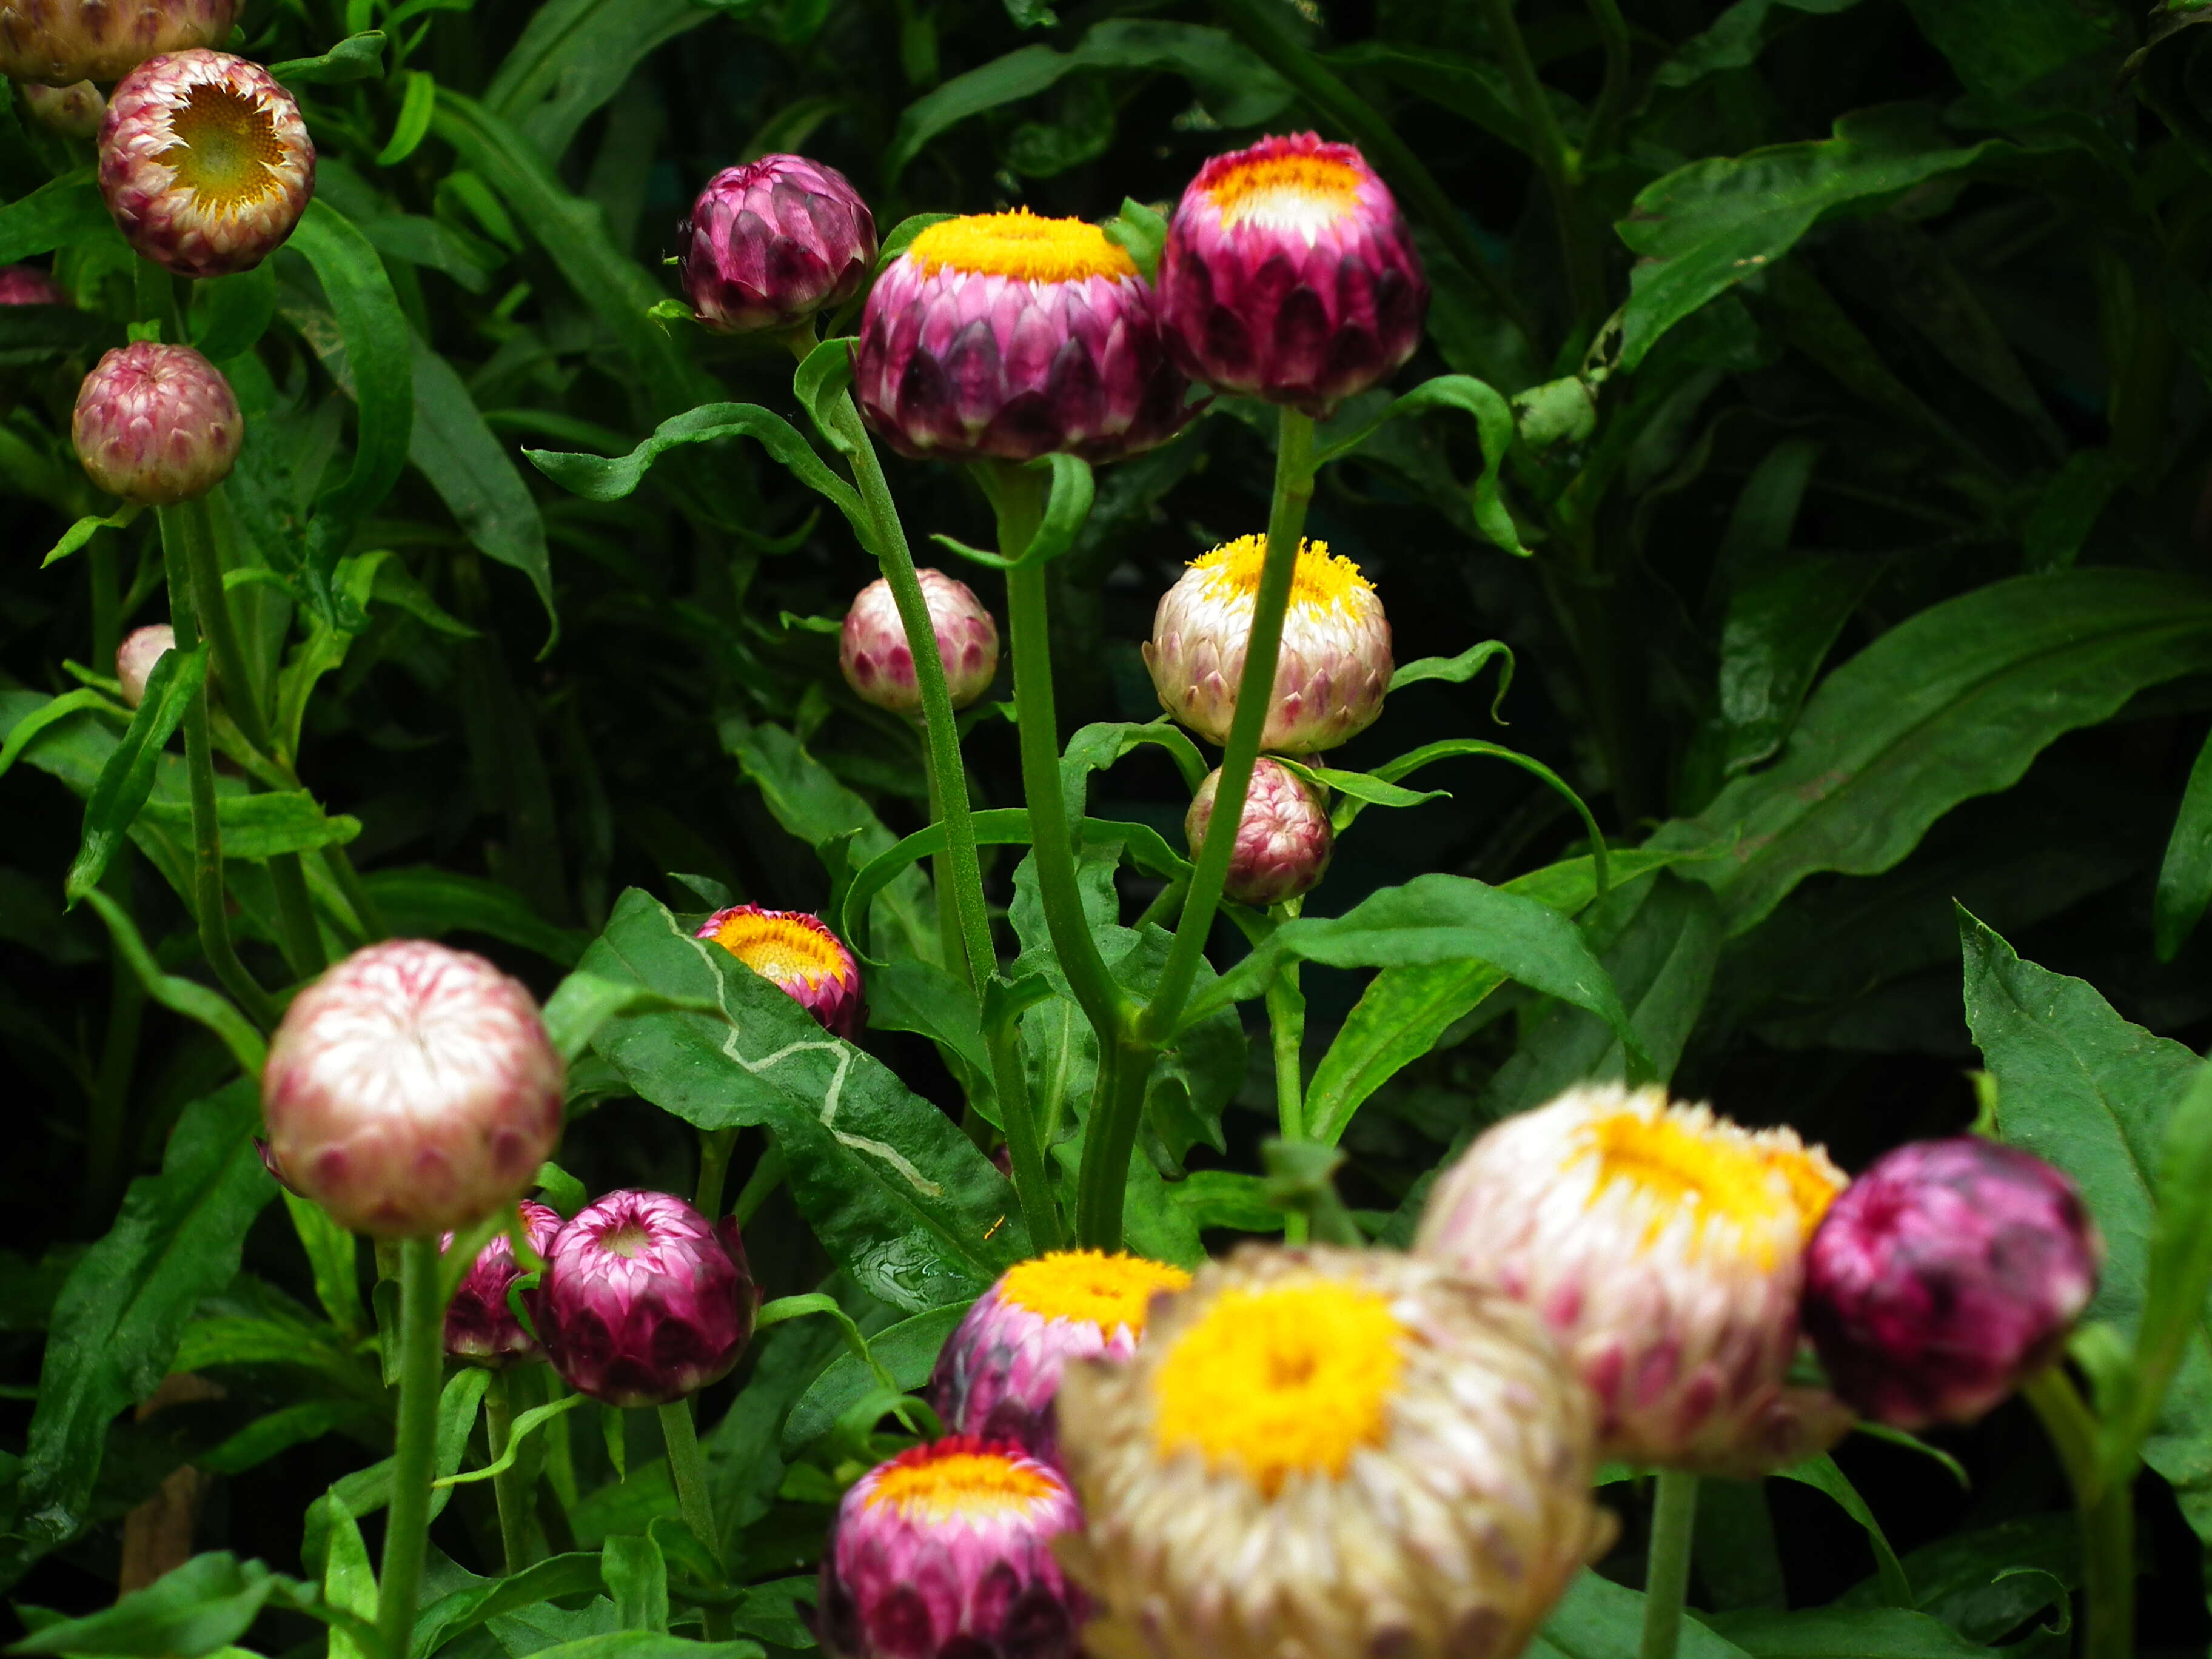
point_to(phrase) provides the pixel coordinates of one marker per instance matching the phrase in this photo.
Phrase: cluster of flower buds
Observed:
(878, 664)
(799, 955)
(156, 424)
(56, 43)
(481, 1326)
(770, 243)
(1283, 841)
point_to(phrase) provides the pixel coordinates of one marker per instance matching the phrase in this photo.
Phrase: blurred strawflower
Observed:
(56, 43)
(75, 111)
(480, 1326)
(1664, 1246)
(135, 658)
(998, 1375)
(644, 1302)
(156, 424)
(1329, 1452)
(1289, 275)
(799, 955)
(1336, 661)
(26, 285)
(1003, 334)
(411, 1090)
(872, 649)
(1283, 841)
(945, 1553)
(1944, 1276)
(771, 242)
(204, 161)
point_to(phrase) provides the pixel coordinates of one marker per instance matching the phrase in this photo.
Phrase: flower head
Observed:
(411, 1090)
(1947, 1273)
(872, 649)
(1320, 1451)
(1289, 275)
(205, 162)
(1282, 841)
(480, 1326)
(1005, 334)
(1334, 665)
(75, 111)
(801, 955)
(135, 658)
(998, 1373)
(56, 43)
(156, 424)
(771, 242)
(1664, 1247)
(26, 285)
(945, 1553)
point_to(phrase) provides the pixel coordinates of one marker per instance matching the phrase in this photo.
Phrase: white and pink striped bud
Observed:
(56, 43)
(156, 424)
(771, 242)
(1283, 841)
(135, 658)
(872, 648)
(481, 1326)
(75, 111)
(799, 955)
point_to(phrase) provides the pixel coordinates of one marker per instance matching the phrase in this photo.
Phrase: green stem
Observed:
(1287, 1031)
(2104, 1511)
(511, 1485)
(764, 1180)
(1556, 159)
(1612, 96)
(1117, 1110)
(1666, 1575)
(694, 1498)
(715, 1148)
(950, 944)
(414, 1456)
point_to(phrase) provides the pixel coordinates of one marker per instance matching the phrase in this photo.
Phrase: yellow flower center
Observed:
(780, 948)
(1289, 191)
(1323, 580)
(1020, 245)
(227, 151)
(1105, 1290)
(1290, 1379)
(1812, 1184)
(1679, 1166)
(964, 1483)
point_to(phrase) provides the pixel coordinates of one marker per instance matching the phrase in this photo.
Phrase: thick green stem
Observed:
(1110, 1141)
(1612, 96)
(941, 880)
(414, 1450)
(512, 1486)
(2104, 1511)
(1667, 1574)
(694, 1498)
(714, 1149)
(1286, 1031)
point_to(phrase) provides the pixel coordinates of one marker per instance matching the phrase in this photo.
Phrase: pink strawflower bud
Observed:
(998, 1373)
(1944, 1276)
(771, 242)
(26, 285)
(945, 1553)
(135, 658)
(480, 1325)
(56, 43)
(205, 162)
(411, 1090)
(1334, 665)
(1283, 840)
(801, 956)
(872, 649)
(644, 1301)
(1007, 335)
(1289, 275)
(75, 111)
(156, 424)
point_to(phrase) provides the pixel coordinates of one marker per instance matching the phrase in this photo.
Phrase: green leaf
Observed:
(1459, 669)
(412, 124)
(452, 1616)
(637, 1578)
(64, 212)
(127, 779)
(2184, 877)
(20, 735)
(1226, 1198)
(574, 55)
(633, 1645)
(1597, 1619)
(1139, 231)
(2003, 47)
(1856, 1633)
(229, 315)
(378, 356)
(334, 1257)
(1777, 634)
(83, 530)
(908, 1351)
(193, 1000)
(356, 58)
(425, 902)
(280, 821)
(1986, 1584)
(1407, 764)
(1822, 1473)
(193, 1610)
(583, 1003)
(1735, 38)
(823, 380)
(1494, 429)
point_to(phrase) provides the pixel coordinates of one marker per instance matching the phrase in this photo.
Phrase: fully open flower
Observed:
(801, 955)
(945, 1553)
(998, 1373)
(1283, 841)
(480, 1323)
(411, 1089)
(1335, 660)
(56, 43)
(1329, 1452)
(1947, 1274)
(1289, 275)
(1007, 335)
(873, 648)
(644, 1301)
(156, 424)
(1665, 1248)
(204, 161)
(75, 111)
(26, 285)
(135, 658)
(773, 242)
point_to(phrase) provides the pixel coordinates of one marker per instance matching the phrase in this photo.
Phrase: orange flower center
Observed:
(1304, 193)
(1019, 244)
(1106, 1291)
(782, 948)
(227, 151)
(1711, 1172)
(965, 1484)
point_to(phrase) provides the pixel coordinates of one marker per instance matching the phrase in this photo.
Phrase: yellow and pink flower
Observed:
(799, 955)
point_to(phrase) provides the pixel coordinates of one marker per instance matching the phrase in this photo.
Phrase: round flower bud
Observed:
(802, 957)
(480, 1326)
(1283, 841)
(205, 162)
(56, 43)
(135, 658)
(1335, 664)
(74, 111)
(945, 1553)
(1289, 275)
(156, 424)
(1329, 1452)
(1946, 1275)
(26, 285)
(644, 1301)
(1006, 335)
(771, 242)
(872, 649)
(1665, 1248)
(998, 1375)
(411, 1090)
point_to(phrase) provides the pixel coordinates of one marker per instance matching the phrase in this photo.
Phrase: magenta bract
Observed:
(1283, 841)
(156, 424)
(480, 1325)
(799, 954)
(26, 285)
(770, 243)
(878, 666)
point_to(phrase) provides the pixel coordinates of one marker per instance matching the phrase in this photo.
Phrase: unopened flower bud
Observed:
(26, 285)
(136, 657)
(1334, 665)
(156, 424)
(204, 161)
(1283, 841)
(873, 648)
(799, 955)
(644, 1301)
(411, 1090)
(74, 111)
(56, 43)
(945, 1553)
(480, 1323)
(1944, 1276)
(771, 242)
(1289, 275)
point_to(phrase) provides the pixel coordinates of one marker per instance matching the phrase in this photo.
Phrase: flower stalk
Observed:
(511, 1487)
(422, 1360)
(2105, 1512)
(1666, 1576)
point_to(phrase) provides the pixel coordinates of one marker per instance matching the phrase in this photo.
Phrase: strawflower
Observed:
(1282, 841)
(771, 242)
(799, 955)
(480, 1323)
(135, 658)
(56, 43)
(156, 424)
(872, 652)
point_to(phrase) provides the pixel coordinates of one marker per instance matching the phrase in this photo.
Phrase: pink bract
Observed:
(772, 242)
(480, 1324)
(156, 424)
(57, 43)
(1283, 841)
(872, 648)
(26, 285)
(799, 954)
